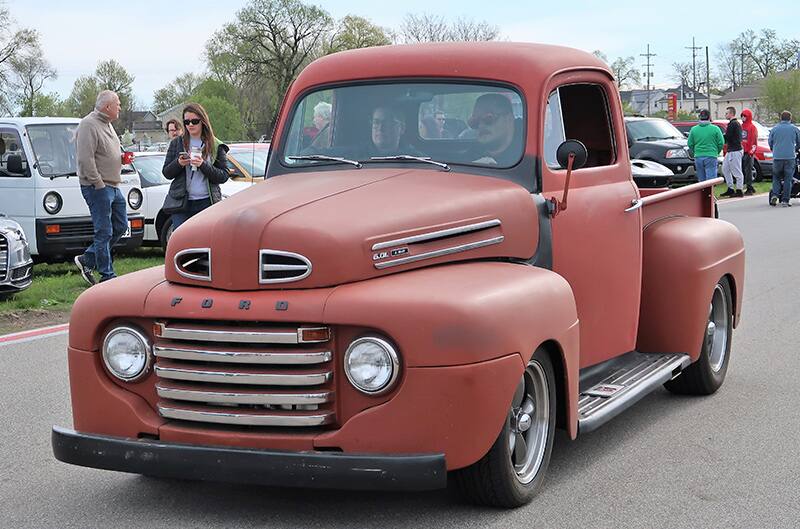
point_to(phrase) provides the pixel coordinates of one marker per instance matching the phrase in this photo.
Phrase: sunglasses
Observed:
(188, 122)
(487, 119)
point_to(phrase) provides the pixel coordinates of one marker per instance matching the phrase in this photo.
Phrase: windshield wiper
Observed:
(60, 175)
(424, 159)
(325, 158)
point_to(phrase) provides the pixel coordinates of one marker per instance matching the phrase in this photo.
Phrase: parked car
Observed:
(39, 188)
(657, 140)
(16, 264)
(762, 164)
(157, 224)
(375, 321)
(248, 161)
(648, 174)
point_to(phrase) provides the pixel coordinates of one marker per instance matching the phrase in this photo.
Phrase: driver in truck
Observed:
(493, 120)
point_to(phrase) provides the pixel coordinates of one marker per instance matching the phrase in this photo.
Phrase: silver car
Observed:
(16, 265)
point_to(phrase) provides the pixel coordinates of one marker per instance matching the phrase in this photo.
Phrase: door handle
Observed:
(635, 204)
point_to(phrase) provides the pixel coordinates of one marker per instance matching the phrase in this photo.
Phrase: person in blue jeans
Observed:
(705, 143)
(99, 172)
(784, 140)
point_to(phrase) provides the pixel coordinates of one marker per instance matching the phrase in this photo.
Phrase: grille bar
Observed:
(244, 357)
(168, 390)
(242, 418)
(236, 335)
(237, 377)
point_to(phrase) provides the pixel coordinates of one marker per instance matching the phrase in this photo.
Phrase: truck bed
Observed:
(695, 200)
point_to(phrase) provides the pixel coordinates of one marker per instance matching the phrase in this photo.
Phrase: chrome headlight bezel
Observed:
(135, 198)
(55, 206)
(392, 360)
(677, 153)
(142, 370)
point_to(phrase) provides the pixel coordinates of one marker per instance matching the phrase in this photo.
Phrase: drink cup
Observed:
(127, 158)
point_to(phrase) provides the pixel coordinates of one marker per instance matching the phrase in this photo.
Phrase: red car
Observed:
(762, 165)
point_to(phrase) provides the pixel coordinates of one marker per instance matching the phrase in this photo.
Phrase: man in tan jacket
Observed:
(99, 170)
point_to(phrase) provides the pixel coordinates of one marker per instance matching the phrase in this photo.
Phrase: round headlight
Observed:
(52, 202)
(135, 198)
(126, 353)
(371, 364)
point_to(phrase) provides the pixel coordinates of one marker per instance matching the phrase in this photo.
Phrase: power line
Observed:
(648, 74)
(741, 56)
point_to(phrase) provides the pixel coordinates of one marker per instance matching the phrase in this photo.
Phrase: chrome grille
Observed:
(3, 258)
(282, 267)
(256, 376)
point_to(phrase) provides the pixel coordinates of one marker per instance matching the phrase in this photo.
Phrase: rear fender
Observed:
(683, 259)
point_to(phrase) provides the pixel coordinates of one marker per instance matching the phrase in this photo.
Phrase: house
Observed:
(146, 127)
(638, 100)
(747, 96)
(689, 100)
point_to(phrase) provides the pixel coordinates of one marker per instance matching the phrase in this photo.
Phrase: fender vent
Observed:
(282, 267)
(194, 263)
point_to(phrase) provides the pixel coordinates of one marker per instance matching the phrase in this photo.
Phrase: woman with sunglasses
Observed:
(195, 178)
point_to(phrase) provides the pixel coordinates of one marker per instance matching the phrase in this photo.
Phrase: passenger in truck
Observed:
(495, 131)
(388, 127)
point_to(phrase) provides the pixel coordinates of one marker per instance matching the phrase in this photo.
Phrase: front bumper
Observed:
(75, 235)
(331, 470)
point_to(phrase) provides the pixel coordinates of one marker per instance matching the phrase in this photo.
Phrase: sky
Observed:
(156, 41)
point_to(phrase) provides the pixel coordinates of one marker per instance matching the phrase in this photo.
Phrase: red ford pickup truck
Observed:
(402, 299)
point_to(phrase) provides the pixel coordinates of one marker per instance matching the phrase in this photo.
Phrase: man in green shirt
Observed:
(705, 144)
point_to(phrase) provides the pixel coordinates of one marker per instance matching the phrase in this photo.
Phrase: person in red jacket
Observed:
(749, 142)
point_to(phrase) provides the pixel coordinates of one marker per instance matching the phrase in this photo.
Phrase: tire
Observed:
(706, 375)
(758, 176)
(513, 470)
(166, 233)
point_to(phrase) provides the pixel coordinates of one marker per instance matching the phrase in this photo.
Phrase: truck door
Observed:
(596, 243)
(16, 183)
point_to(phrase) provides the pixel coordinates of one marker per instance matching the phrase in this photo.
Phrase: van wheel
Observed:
(707, 374)
(166, 233)
(513, 470)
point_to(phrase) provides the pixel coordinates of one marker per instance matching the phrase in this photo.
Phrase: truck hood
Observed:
(310, 230)
(674, 143)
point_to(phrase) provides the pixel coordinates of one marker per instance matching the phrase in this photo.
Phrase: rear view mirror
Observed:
(574, 147)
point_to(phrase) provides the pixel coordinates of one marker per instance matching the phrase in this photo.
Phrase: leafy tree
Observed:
(13, 42)
(49, 105)
(176, 92)
(355, 32)
(782, 92)
(225, 117)
(109, 75)
(435, 28)
(83, 96)
(29, 71)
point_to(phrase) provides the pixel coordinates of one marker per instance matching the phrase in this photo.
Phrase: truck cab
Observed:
(402, 299)
(39, 188)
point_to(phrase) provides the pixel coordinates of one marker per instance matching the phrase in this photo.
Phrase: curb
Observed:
(33, 334)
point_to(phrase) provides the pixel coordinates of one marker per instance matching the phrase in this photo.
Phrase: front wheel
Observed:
(513, 470)
(707, 374)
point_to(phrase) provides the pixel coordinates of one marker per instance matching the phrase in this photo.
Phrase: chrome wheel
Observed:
(717, 329)
(529, 423)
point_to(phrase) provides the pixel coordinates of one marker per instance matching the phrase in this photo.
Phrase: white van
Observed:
(39, 188)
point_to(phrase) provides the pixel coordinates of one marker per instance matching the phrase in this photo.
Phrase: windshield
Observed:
(54, 148)
(252, 159)
(453, 123)
(149, 168)
(653, 129)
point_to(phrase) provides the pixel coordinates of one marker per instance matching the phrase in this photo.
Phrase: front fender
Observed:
(463, 315)
(683, 258)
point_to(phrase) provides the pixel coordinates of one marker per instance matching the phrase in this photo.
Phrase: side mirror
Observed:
(574, 147)
(570, 155)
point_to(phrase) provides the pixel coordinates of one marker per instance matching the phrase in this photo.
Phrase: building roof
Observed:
(744, 93)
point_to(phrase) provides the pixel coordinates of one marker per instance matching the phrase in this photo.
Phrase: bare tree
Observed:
(12, 42)
(29, 71)
(625, 71)
(435, 28)
(176, 92)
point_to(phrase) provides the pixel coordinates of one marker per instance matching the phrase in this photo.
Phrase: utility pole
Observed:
(708, 83)
(648, 75)
(694, 72)
(741, 56)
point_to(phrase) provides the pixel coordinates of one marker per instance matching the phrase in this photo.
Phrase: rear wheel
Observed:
(707, 374)
(513, 470)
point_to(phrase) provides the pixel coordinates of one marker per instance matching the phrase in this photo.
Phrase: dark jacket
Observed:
(733, 135)
(216, 172)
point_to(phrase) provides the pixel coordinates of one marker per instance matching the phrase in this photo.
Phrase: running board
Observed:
(625, 381)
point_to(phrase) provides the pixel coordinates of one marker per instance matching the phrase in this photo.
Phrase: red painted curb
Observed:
(33, 333)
